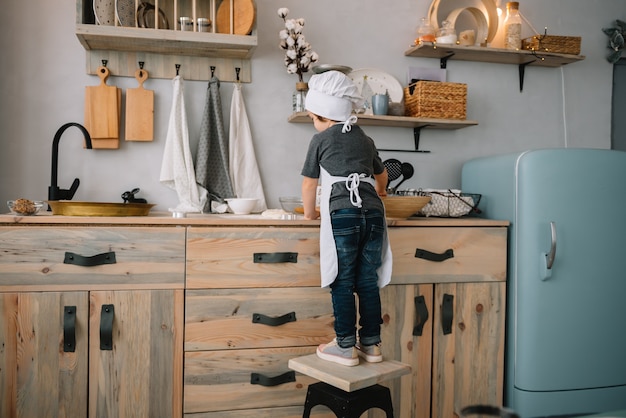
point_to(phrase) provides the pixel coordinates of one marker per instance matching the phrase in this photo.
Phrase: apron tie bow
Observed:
(352, 184)
(347, 125)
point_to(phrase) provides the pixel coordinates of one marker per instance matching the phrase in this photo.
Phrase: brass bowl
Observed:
(71, 208)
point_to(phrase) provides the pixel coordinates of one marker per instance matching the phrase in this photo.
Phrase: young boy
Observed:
(354, 251)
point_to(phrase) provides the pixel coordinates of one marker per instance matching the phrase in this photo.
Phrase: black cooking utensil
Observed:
(394, 169)
(407, 172)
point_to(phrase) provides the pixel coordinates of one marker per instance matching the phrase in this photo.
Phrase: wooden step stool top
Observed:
(345, 377)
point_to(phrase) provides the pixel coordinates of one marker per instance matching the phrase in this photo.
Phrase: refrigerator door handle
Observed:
(547, 260)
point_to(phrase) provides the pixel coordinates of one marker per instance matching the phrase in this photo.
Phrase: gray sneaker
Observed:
(371, 353)
(332, 352)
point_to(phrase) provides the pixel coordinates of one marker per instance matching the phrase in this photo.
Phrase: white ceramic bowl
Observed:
(241, 206)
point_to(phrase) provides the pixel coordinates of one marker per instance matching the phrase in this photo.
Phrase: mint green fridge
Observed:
(566, 303)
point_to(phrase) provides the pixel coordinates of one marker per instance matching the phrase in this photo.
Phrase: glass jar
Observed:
(512, 26)
(425, 32)
(446, 34)
(299, 95)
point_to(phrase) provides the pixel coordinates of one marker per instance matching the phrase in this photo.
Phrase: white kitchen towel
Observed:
(212, 155)
(177, 171)
(243, 167)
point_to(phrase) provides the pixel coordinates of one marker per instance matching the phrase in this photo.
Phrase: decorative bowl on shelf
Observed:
(25, 207)
(291, 204)
(403, 206)
(241, 206)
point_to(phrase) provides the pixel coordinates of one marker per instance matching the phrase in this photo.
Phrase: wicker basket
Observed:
(551, 43)
(434, 99)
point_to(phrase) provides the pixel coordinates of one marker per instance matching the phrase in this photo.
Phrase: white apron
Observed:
(328, 249)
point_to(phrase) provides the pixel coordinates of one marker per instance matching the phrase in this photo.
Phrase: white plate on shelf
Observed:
(441, 9)
(104, 10)
(379, 81)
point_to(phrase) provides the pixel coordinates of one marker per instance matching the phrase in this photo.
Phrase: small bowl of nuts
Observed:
(25, 207)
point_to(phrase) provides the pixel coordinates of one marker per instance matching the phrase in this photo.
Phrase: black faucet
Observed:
(54, 193)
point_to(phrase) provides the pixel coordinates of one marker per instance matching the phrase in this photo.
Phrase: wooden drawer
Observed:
(37, 258)
(222, 380)
(225, 257)
(477, 254)
(217, 319)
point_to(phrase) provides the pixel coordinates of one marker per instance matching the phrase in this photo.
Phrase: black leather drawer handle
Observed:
(94, 260)
(421, 312)
(275, 257)
(258, 318)
(69, 329)
(447, 313)
(259, 379)
(106, 327)
(427, 255)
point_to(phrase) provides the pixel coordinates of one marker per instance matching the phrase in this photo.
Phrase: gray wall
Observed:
(43, 79)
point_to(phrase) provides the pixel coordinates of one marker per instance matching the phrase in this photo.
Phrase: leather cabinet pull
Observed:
(95, 260)
(447, 313)
(421, 313)
(107, 314)
(258, 318)
(275, 257)
(430, 256)
(260, 379)
(69, 329)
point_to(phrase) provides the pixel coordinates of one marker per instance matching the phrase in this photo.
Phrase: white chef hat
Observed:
(332, 95)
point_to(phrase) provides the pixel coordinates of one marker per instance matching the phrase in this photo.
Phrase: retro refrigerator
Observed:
(566, 302)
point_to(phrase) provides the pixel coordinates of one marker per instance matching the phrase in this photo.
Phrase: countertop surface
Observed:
(166, 218)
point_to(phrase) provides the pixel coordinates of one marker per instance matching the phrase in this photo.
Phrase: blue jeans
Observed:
(358, 236)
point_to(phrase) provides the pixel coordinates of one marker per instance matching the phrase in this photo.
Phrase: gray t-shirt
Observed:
(342, 154)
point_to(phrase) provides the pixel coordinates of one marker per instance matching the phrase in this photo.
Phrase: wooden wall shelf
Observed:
(399, 122)
(162, 50)
(521, 58)
(493, 55)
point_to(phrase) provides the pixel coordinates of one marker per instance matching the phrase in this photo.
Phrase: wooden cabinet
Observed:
(253, 302)
(444, 315)
(92, 321)
(248, 297)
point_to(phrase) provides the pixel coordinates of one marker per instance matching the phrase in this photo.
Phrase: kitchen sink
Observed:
(72, 208)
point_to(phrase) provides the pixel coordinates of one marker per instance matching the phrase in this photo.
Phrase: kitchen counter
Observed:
(165, 218)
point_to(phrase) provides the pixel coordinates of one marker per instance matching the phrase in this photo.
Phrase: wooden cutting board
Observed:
(243, 17)
(102, 108)
(140, 111)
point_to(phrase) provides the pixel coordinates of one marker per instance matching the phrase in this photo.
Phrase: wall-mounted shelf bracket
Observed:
(443, 61)
(416, 140)
(522, 69)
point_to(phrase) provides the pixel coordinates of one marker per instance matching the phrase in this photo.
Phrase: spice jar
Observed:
(203, 24)
(512, 26)
(425, 32)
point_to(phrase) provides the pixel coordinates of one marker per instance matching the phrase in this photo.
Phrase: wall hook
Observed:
(104, 63)
(237, 69)
(141, 65)
(212, 71)
(177, 68)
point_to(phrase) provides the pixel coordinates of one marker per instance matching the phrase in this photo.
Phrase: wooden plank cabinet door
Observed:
(407, 336)
(468, 346)
(39, 375)
(135, 361)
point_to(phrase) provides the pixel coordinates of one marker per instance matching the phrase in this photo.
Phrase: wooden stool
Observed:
(348, 391)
